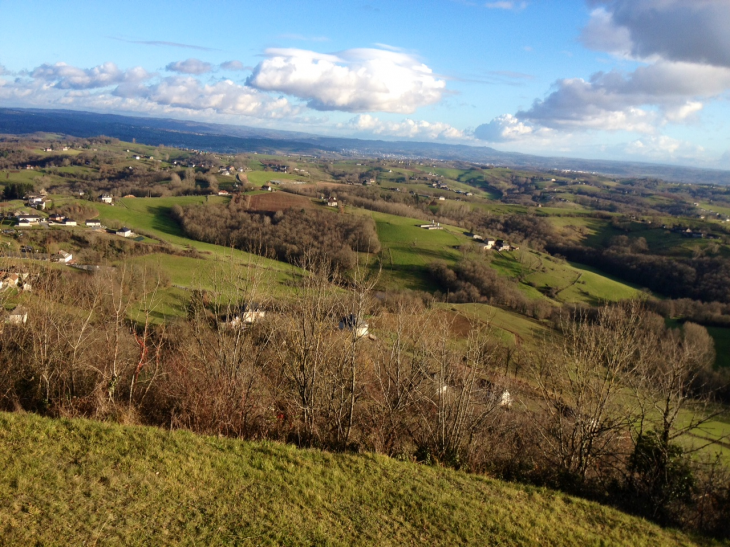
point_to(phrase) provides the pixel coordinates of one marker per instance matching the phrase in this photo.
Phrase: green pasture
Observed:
(79, 482)
(259, 178)
(406, 250)
(518, 328)
(152, 216)
(570, 282)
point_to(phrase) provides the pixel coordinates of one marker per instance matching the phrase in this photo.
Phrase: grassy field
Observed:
(570, 282)
(521, 329)
(152, 215)
(259, 178)
(77, 482)
(408, 250)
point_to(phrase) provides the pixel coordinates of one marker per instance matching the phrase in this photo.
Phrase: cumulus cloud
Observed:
(356, 80)
(233, 65)
(406, 128)
(224, 97)
(683, 48)
(65, 76)
(692, 31)
(109, 88)
(638, 101)
(190, 66)
(504, 128)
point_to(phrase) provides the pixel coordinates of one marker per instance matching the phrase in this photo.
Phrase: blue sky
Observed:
(642, 80)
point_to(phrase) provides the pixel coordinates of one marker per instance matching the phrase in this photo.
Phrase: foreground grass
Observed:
(77, 482)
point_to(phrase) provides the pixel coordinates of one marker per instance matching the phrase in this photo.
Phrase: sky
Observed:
(638, 80)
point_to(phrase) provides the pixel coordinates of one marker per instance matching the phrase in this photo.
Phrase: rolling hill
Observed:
(87, 483)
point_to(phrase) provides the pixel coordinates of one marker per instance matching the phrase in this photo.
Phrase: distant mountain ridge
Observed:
(232, 138)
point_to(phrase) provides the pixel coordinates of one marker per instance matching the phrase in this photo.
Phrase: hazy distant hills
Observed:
(232, 138)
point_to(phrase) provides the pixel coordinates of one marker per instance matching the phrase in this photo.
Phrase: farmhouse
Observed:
(28, 220)
(247, 315)
(433, 226)
(353, 323)
(18, 316)
(106, 198)
(68, 222)
(488, 244)
(93, 223)
(124, 232)
(267, 188)
(33, 199)
(9, 280)
(62, 256)
(332, 202)
(223, 193)
(501, 245)
(55, 217)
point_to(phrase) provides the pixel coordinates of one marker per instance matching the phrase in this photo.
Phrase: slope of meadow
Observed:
(80, 482)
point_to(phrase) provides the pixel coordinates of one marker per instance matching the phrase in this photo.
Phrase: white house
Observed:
(124, 232)
(10, 280)
(18, 316)
(501, 245)
(332, 202)
(69, 222)
(106, 198)
(351, 322)
(488, 244)
(93, 223)
(267, 188)
(28, 220)
(63, 256)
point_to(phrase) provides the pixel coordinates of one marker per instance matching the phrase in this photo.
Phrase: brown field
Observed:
(279, 201)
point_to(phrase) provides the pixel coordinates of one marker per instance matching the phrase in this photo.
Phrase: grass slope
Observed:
(85, 483)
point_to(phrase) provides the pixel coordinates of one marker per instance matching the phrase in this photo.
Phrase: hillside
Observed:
(82, 482)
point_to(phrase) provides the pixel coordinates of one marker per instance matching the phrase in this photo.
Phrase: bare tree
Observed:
(583, 418)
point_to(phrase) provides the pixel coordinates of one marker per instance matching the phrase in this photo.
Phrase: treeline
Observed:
(704, 278)
(572, 414)
(286, 235)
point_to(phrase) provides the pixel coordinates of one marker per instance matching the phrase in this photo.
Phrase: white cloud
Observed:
(65, 76)
(233, 65)
(356, 80)
(683, 48)
(504, 128)
(224, 97)
(638, 101)
(190, 66)
(406, 128)
(663, 148)
(692, 31)
(62, 85)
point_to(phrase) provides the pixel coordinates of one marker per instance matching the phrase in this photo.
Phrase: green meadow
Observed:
(79, 482)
